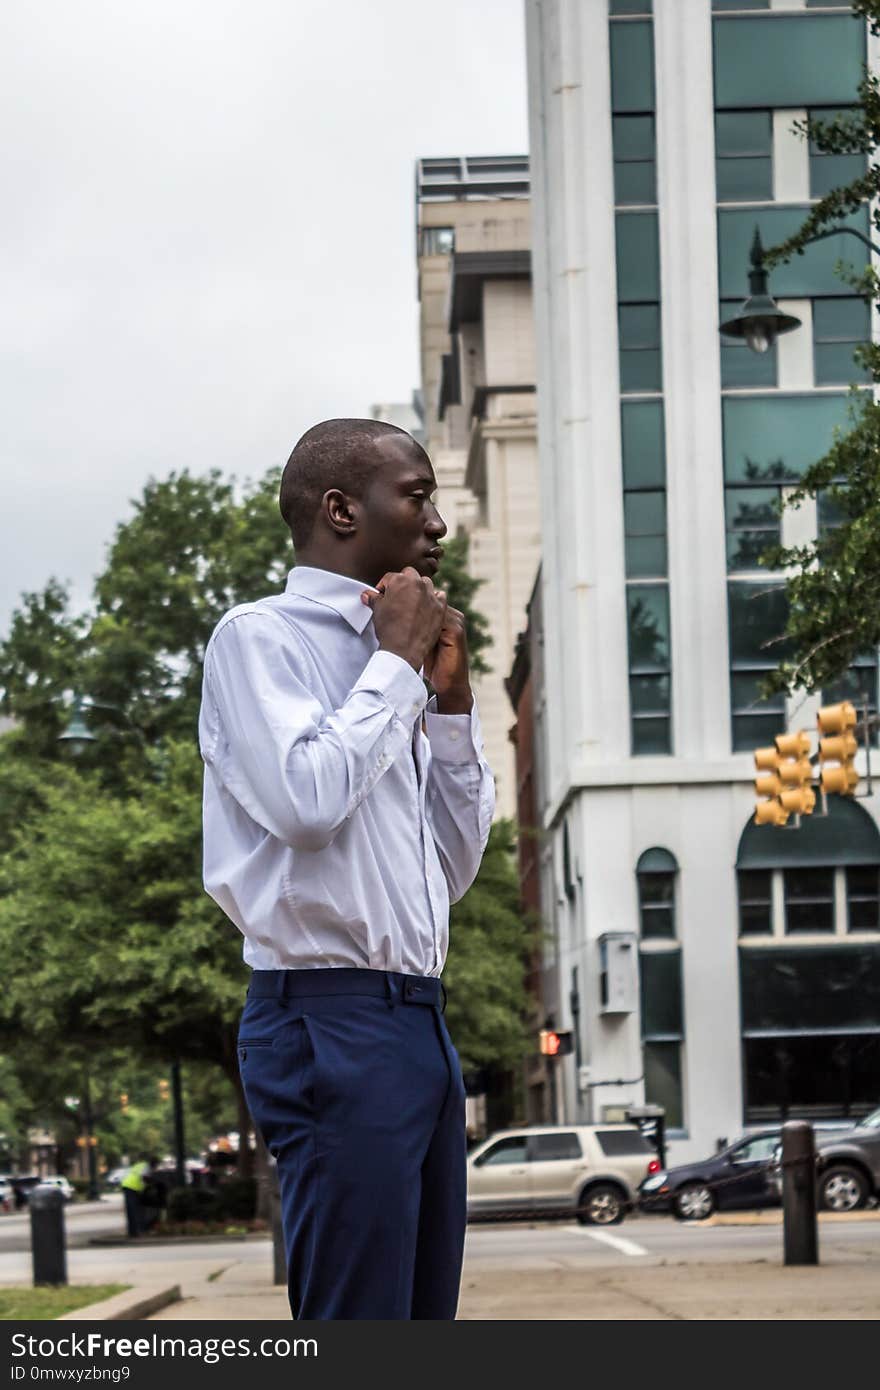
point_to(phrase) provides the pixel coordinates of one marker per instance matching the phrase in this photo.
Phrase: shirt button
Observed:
(454, 735)
(415, 709)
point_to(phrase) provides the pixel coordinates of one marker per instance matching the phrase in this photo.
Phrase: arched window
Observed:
(656, 872)
(662, 1009)
(809, 965)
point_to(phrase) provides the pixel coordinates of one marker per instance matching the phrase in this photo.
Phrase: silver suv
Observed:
(590, 1172)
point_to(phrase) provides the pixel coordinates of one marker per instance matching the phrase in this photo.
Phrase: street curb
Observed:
(132, 1305)
(178, 1240)
(774, 1218)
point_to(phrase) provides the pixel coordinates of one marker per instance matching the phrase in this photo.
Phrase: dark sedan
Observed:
(737, 1177)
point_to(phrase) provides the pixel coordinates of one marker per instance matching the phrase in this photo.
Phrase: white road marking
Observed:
(626, 1247)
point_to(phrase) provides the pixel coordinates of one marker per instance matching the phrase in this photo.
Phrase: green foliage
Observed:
(833, 583)
(452, 575)
(485, 970)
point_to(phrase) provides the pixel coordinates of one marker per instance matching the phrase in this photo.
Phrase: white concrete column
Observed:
(691, 378)
(574, 267)
(791, 158)
(794, 351)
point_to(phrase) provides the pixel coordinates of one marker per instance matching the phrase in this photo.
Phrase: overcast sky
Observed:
(207, 235)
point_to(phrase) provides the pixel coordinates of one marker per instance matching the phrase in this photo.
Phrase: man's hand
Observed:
(408, 615)
(446, 666)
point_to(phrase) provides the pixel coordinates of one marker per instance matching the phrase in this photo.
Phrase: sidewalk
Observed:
(839, 1289)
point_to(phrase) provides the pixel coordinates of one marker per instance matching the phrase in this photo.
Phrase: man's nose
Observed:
(436, 525)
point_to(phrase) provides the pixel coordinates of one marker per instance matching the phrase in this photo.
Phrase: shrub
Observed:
(193, 1204)
(238, 1198)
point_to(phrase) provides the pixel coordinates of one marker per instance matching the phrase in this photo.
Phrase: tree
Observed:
(489, 941)
(833, 583)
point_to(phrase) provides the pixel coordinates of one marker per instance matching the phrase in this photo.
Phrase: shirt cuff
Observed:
(396, 681)
(452, 736)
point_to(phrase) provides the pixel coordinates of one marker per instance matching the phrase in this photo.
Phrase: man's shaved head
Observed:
(334, 454)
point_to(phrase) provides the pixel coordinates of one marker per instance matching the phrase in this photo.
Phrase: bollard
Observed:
(800, 1233)
(48, 1251)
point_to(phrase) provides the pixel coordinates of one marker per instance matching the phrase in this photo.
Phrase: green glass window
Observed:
(829, 171)
(743, 156)
(616, 7)
(662, 1067)
(839, 326)
(787, 60)
(644, 463)
(774, 438)
(649, 664)
(645, 531)
(809, 900)
(820, 1076)
(806, 987)
(755, 902)
(641, 358)
(633, 138)
(657, 905)
(719, 6)
(661, 995)
(863, 898)
(813, 273)
(632, 66)
(757, 615)
(740, 367)
(753, 524)
(638, 258)
(828, 4)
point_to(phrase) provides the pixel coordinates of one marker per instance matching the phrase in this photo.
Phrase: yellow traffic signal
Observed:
(838, 748)
(163, 1090)
(123, 1101)
(768, 787)
(795, 773)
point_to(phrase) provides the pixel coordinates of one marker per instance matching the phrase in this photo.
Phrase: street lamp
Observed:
(78, 737)
(760, 321)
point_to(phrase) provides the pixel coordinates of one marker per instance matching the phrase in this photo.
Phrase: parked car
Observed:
(737, 1177)
(590, 1172)
(7, 1196)
(23, 1186)
(847, 1164)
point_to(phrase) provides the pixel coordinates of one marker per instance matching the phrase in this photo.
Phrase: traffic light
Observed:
(795, 773)
(554, 1043)
(837, 748)
(769, 810)
(123, 1101)
(163, 1089)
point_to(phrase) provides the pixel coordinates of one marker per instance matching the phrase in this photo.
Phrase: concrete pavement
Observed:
(845, 1286)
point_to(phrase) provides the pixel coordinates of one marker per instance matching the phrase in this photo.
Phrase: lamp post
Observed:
(760, 321)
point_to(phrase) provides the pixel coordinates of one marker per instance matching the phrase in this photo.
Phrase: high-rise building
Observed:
(478, 388)
(727, 971)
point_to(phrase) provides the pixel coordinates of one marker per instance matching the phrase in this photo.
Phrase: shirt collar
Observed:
(332, 590)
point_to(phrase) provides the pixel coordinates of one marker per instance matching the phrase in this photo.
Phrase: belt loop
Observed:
(443, 992)
(389, 992)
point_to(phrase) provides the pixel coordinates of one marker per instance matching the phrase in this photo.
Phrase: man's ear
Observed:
(340, 511)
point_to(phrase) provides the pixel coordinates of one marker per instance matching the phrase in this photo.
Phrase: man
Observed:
(136, 1190)
(342, 814)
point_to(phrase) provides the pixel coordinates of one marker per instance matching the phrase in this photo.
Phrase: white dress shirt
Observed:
(335, 832)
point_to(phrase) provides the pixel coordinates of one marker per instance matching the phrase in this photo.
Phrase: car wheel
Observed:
(602, 1205)
(842, 1189)
(693, 1202)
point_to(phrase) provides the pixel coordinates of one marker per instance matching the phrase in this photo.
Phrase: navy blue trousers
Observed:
(354, 1084)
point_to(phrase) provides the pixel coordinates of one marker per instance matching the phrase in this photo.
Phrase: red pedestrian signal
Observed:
(553, 1043)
